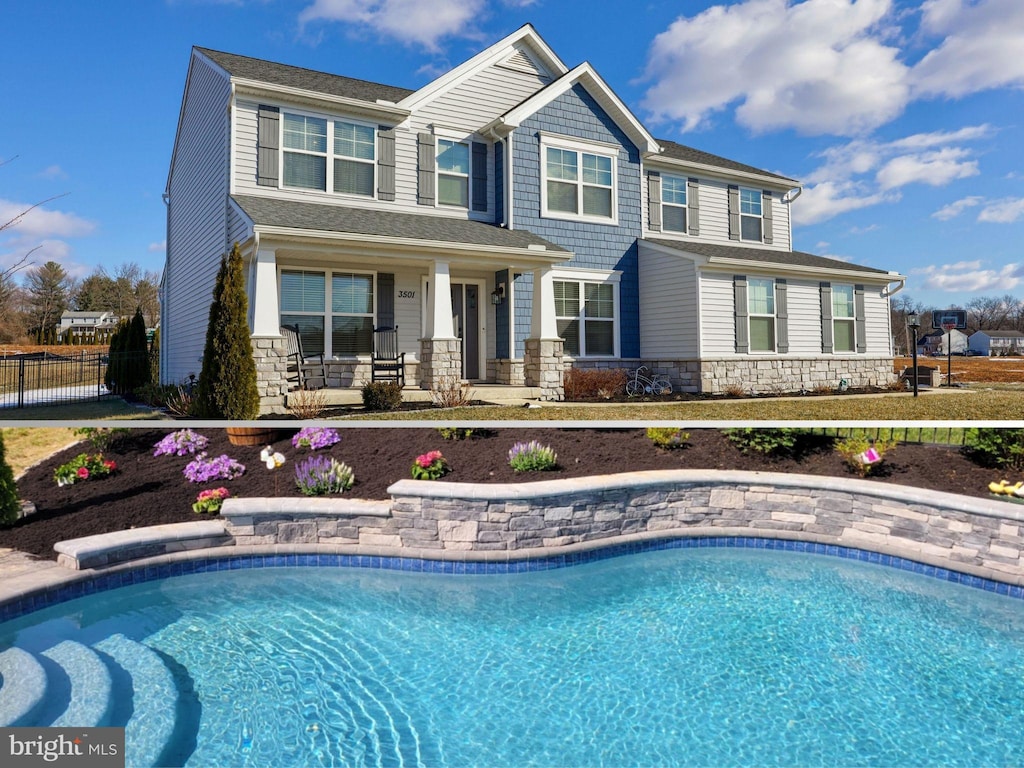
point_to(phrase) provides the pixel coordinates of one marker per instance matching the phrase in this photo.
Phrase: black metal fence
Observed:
(921, 435)
(43, 378)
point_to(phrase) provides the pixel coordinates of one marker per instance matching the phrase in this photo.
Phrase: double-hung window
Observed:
(453, 173)
(844, 332)
(761, 311)
(306, 140)
(333, 310)
(673, 203)
(578, 183)
(585, 317)
(750, 215)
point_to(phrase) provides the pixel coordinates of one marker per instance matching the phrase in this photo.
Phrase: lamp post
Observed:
(914, 322)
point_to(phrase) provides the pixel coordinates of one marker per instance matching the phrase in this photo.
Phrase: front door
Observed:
(466, 321)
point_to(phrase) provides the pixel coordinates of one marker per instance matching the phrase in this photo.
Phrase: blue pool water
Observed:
(679, 657)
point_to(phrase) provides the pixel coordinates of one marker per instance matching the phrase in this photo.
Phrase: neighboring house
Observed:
(936, 342)
(512, 218)
(87, 322)
(996, 342)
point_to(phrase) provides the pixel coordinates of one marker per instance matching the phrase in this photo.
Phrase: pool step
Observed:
(23, 688)
(89, 703)
(154, 695)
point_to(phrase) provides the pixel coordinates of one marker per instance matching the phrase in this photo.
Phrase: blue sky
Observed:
(903, 118)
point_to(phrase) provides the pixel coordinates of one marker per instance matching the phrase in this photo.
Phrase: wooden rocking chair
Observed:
(388, 363)
(301, 367)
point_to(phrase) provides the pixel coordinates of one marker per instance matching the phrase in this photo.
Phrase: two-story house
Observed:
(511, 218)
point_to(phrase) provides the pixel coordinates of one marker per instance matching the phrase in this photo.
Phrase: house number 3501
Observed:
(407, 294)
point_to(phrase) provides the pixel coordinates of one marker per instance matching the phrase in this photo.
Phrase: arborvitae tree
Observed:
(154, 357)
(136, 355)
(114, 378)
(9, 504)
(227, 382)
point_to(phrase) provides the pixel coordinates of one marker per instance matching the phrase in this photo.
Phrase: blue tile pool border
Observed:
(101, 583)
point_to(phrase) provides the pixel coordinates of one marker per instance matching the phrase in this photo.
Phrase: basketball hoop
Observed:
(948, 326)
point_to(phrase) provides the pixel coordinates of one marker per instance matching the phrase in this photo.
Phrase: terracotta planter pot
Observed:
(251, 435)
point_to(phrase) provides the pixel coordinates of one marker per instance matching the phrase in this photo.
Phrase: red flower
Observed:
(83, 472)
(111, 466)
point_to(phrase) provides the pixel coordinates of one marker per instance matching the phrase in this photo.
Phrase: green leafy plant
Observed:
(227, 382)
(996, 447)
(454, 433)
(10, 506)
(532, 457)
(382, 396)
(429, 466)
(320, 475)
(83, 467)
(102, 437)
(772, 442)
(667, 437)
(862, 453)
(210, 500)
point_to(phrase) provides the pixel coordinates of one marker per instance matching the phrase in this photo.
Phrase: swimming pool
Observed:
(710, 656)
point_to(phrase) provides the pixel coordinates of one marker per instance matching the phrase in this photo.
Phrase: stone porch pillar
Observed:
(267, 343)
(440, 349)
(542, 361)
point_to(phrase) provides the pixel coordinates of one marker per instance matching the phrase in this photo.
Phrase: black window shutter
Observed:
(385, 163)
(654, 201)
(739, 287)
(693, 206)
(859, 321)
(268, 146)
(734, 212)
(766, 217)
(781, 316)
(479, 176)
(385, 300)
(827, 343)
(426, 163)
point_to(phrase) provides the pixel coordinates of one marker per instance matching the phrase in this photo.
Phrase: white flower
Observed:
(271, 458)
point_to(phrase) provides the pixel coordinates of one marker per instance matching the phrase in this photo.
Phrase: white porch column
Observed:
(439, 303)
(266, 310)
(542, 320)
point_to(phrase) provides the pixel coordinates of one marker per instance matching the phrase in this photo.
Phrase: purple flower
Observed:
(181, 443)
(202, 469)
(316, 438)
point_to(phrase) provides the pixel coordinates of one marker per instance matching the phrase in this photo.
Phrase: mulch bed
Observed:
(148, 490)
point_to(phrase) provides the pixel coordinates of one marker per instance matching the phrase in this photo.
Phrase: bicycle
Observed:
(639, 384)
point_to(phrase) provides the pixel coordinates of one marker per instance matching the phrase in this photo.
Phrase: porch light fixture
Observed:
(498, 294)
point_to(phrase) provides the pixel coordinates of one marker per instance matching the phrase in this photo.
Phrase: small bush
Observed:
(321, 475)
(996, 447)
(862, 453)
(594, 383)
(307, 403)
(382, 396)
(429, 466)
(772, 442)
(454, 433)
(532, 457)
(10, 507)
(181, 402)
(667, 437)
(102, 437)
(210, 500)
(452, 392)
(83, 467)
(734, 390)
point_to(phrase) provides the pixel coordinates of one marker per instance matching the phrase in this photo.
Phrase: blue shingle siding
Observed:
(596, 246)
(524, 301)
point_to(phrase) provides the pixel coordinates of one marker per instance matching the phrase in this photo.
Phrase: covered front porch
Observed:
(454, 303)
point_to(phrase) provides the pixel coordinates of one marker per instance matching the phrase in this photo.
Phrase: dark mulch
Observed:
(150, 491)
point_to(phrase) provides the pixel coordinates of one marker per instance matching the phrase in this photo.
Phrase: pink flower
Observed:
(110, 465)
(83, 472)
(428, 458)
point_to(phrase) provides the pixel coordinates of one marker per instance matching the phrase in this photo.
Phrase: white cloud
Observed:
(981, 47)
(820, 66)
(864, 230)
(1003, 211)
(933, 168)
(53, 172)
(830, 198)
(160, 247)
(957, 207)
(970, 276)
(422, 22)
(41, 222)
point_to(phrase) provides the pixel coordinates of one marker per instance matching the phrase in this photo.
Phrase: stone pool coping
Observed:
(47, 583)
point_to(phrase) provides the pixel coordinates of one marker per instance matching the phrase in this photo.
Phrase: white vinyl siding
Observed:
(714, 215)
(717, 315)
(197, 220)
(668, 310)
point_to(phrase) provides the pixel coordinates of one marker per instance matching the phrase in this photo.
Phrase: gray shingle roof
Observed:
(691, 155)
(308, 79)
(1003, 334)
(336, 218)
(781, 258)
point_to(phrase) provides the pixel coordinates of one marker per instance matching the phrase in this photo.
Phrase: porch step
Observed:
(488, 393)
(89, 701)
(23, 687)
